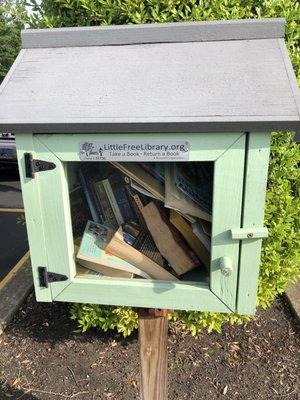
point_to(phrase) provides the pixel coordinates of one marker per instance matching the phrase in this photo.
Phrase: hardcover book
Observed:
(109, 218)
(115, 188)
(140, 251)
(88, 175)
(168, 240)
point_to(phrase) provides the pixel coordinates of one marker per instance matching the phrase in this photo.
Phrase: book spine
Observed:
(112, 201)
(89, 196)
(97, 204)
(108, 214)
(124, 204)
(137, 205)
(145, 245)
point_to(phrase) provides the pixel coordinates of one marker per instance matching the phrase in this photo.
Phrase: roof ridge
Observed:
(177, 32)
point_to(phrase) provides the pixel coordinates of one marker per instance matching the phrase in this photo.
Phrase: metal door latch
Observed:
(249, 233)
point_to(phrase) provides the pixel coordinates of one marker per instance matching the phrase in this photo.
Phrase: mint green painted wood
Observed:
(33, 215)
(253, 217)
(204, 147)
(250, 234)
(55, 209)
(142, 293)
(227, 207)
(228, 153)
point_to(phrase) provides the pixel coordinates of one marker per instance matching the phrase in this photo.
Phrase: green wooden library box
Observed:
(208, 93)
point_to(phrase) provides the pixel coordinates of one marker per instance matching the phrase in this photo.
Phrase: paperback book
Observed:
(196, 243)
(177, 198)
(92, 254)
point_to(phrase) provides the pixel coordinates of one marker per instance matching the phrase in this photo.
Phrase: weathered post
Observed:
(153, 337)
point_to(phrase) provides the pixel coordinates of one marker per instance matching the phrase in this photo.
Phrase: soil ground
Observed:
(44, 357)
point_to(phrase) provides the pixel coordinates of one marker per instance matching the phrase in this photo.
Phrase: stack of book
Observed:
(143, 220)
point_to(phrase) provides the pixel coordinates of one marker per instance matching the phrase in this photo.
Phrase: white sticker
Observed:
(134, 150)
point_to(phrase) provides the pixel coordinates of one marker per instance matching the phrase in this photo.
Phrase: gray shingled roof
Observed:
(180, 77)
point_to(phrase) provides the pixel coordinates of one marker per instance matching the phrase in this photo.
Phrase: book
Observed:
(206, 226)
(92, 254)
(177, 199)
(156, 169)
(195, 181)
(85, 184)
(105, 270)
(115, 188)
(168, 240)
(109, 218)
(139, 253)
(198, 230)
(137, 201)
(194, 241)
(135, 186)
(113, 202)
(80, 211)
(83, 271)
(88, 174)
(143, 178)
(87, 272)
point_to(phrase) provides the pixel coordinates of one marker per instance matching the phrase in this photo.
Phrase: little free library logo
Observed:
(101, 150)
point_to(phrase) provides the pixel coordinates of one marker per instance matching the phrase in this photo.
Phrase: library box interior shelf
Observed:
(143, 156)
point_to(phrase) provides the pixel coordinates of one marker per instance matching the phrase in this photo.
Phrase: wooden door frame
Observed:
(226, 150)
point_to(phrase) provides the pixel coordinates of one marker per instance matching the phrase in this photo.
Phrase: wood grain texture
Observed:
(154, 33)
(153, 337)
(33, 216)
(227, 85)
(226, 213)
(258, 149)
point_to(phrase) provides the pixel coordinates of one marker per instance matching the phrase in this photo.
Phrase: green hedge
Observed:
(280, 256)
(10, 27)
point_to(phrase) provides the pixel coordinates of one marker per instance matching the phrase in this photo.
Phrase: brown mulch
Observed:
(44, 357)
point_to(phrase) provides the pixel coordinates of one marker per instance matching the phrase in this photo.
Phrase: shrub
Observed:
(280, 255)
(10, 27)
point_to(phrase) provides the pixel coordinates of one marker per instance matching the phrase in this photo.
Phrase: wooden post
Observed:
(153, 336)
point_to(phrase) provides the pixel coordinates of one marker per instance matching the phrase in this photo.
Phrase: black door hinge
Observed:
(32, 165)
(46, 277)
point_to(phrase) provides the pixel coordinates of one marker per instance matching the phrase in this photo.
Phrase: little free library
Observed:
(143, 155)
